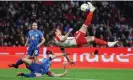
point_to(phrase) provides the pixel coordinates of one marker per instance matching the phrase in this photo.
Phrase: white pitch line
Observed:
(65, 78)
(70, 78)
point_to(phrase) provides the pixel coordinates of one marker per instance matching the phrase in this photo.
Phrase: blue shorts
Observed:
(35, 68)
(33, 51)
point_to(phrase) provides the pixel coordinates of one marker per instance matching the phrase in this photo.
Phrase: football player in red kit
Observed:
(79, 38)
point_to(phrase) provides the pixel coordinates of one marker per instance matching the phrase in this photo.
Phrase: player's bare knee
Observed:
(36, 59)
(92, 38)
(27, 56)
(24, 59)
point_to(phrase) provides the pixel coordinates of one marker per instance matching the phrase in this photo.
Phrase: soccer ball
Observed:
(85, 7)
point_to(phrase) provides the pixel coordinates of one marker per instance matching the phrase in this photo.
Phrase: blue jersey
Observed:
(41, 68)
(45, 65)
(35, 37)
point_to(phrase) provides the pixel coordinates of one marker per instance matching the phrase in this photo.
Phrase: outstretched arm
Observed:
(58, 55)
(42, 39)
(26, 44)
(65, 37)
(27, 40)
(51, 74)
(41, 43)
(67, 57)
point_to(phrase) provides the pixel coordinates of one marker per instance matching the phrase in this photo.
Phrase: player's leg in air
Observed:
(31, 54)
(19, 61)
(80, 35)
(32, 66)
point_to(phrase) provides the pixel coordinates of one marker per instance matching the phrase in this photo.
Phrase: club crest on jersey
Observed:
(32, 37)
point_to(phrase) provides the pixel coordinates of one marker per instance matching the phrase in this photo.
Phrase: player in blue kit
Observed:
(39, 69)
(35, 40)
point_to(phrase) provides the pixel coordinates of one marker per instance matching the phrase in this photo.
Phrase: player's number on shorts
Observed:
(35, 52)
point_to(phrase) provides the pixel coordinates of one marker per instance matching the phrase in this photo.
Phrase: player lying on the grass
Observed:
(39, 69)
(79, 38)
(47, 52)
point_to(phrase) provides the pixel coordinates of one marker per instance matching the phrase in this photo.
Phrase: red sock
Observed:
(99, 41)
(89, 18)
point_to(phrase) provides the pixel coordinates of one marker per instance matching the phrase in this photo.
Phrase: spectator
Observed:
(111, 21)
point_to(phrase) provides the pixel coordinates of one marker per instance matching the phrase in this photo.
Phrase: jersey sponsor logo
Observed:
(32, 37)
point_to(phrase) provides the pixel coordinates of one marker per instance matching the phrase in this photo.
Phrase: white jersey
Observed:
(69, 42)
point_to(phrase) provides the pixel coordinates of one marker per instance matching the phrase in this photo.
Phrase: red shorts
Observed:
(80, 38)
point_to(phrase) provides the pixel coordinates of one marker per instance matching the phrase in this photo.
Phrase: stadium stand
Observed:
(112, 21)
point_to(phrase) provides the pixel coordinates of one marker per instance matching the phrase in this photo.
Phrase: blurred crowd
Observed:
(111, 21)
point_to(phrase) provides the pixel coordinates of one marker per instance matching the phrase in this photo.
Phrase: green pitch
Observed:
(74, 74)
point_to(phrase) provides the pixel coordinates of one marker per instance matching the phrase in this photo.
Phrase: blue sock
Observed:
(29, 75)
(19, 62)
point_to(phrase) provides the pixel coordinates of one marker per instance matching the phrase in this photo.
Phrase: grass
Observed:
(74, 74)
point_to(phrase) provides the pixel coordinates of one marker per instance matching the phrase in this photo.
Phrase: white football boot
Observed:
(92, 8)
(111, 44)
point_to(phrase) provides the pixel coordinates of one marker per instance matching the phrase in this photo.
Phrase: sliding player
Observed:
(39, 69)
